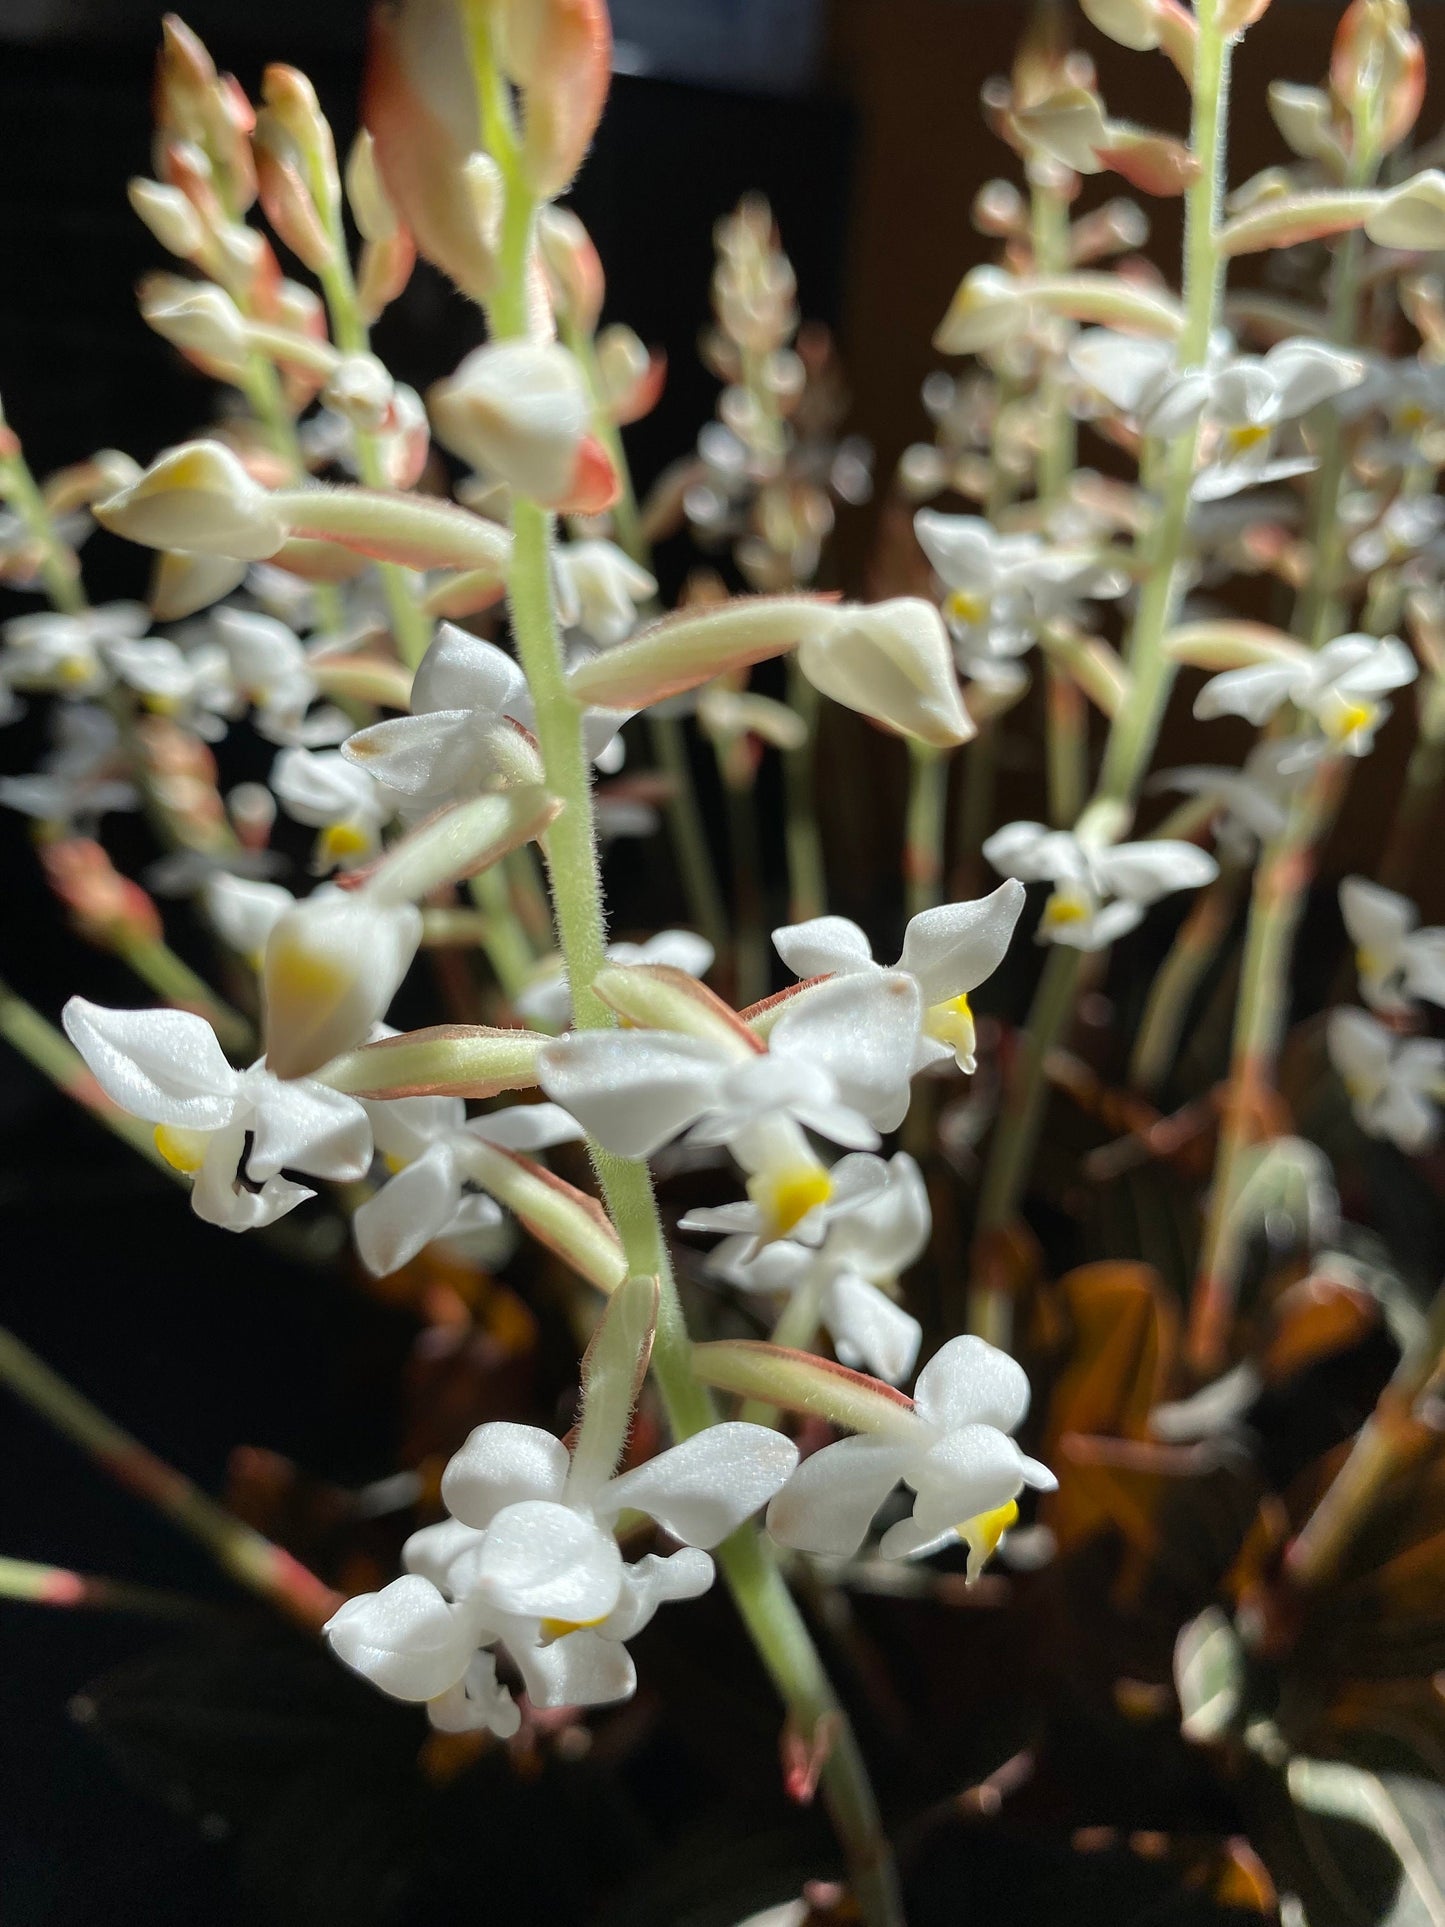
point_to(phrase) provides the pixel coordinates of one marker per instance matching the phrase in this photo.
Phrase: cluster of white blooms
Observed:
(1396, 1080)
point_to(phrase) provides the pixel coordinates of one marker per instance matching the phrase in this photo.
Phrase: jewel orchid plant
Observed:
(431, 617)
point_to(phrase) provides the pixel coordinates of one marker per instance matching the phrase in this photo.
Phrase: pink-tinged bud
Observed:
(185, 75)
(105, 907)
(186, 168)
(201, 320)
(196, 496)
(373, 213)
(1306, 118)
(1133, 23)
(419, 106)
(999, 210)
(518, 410)
(384, 270)
(182, 584)
(1154, 163)
(630, 379)
(170, 217)
(362, 391)
(573, 268)
(287, 199)
(1412, 215)
(691, 647)
(293, 109)
(559, 52)
(1377, 69)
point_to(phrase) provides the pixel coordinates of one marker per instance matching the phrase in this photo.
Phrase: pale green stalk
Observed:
(803, 840)
(1134, 730)
(59, 564)
(1176, 982)
(924, 827)
(767, 1609)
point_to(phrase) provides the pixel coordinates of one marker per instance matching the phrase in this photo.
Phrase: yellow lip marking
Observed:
(559, 1628)
(952, 1023)
(73, 671)
(1062, 908)
(982, 1534)
(183, 1150)
(1344, 718)
(1244, 436)
(786, 1197)
(964, 606)
(341, 840)
(304, 974)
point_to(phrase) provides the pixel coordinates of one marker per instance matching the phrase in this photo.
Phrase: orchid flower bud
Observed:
(573, 268)
(559, 53)
(106, 908)
(1305, 118)
(362, 390)
(196, 496)
(1377, 69)
(201, 320)
(520, 410)
(420, 109)
(893, 663)
(333, 964)
(287, 199)
(171, 218)
(293, 111)
(375, 217)
(1132, 23)
(629, 377)
(1411, 215)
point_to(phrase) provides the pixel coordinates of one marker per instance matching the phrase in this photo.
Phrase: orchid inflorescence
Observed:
(449, 689)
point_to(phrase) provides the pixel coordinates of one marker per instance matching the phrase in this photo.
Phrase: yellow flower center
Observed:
(965, 606)
(183, 1150)
(73, 671)
(1063, 907)
(1343, 718)
(982, 1534)
(559, 1628)
(952, 1024)
(305, 974)
(160, 705)
(786, 1197)
(1369, 963)
(341, 840)
(1245, 435)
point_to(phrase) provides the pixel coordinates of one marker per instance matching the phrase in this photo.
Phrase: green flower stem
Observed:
(924, 828)
(750, 943)
(51, 1053)
(803, 838)
(59, 564)
(1134, 730)
(28, 1583)
(1281, 886)
(768, 1610)
(1172, 993)
(171, 977)
(261, 385)
(253, 1561)
(1418, 811)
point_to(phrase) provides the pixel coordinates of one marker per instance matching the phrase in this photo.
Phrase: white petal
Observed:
(307, 1126)
(438, 754)
(527, 1127)
(1360, 1047)
(479, 1703)
(969, 1381)
(886, 1233)
(1309, 372)
(583, 1669)
(333, 965)
(244, 911)
(500, 1464)
(870, 1332)
(822, 947)
(1024, 850)
(434, 1550)
(952, 949)
(861, 1029)
(703, 1489)
(828, 1504)
(162, 1065)
(461, 671)
(405, 1639)
(974, 1469)
(682, 949)
(962, 548)
(408, 1211)
(1123, 368)
(543, 1559)
(1376, 919)
(893, 662)
(651, 1582)
(1254, 692)
(1143, 872)
(631, 1090)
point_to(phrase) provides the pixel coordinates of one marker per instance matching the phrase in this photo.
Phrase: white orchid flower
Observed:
(65, 654)
(1395, 1083)
(1101, 891)
(244, 911)
(851, 1276)
(193, 687)
(235, 1132)
(948, 952)
(1253, 802)
(838, 1064)
(469, 730)
(1396, 960)
(529, 1561)
(1403, 528)
(332, 964)
(82, 778)
(548, 999)
(598, 590)
(433, 1192)
(1002, 588)
(1339, 686)
(270, 668)
(952, 1447)
(346, 803)
(21, 555)
(1141, 379)
(1251, 398)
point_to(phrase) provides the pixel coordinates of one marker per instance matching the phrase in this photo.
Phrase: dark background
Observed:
(861, 126)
